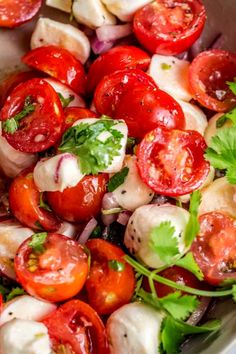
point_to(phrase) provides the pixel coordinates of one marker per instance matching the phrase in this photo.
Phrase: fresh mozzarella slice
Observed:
(171, 75)
(141, 223)
(24, 337)
(49, 32)
(220, 196)
(57, 173)
(212, 130)
(66, 92)
(92, 13)
(124, 9)
(63, 5)
(68, 229)
(133, 193)
(194, 117)
(26, 308)
(134, 328)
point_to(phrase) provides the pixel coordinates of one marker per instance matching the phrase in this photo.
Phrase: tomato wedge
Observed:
(169, 27)
(215, 247)
(39, 129)
(111, 280)
(72, 114)
(171, 162)
(76, 326)
(208, 76)
(14, 13)
(58, 63)
(55, 273)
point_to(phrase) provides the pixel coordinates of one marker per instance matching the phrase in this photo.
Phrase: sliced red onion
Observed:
(110, 33)
(99, 47)
(66, 156)
(6, 269)
(123, 217)
(84, 236)
(197, 315)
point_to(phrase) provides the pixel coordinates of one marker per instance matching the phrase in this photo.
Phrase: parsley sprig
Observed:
(37, 242)
(118, 179)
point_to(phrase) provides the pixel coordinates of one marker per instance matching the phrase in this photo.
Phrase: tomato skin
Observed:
(40, 129)
(169, 28)
(171, 162)
(24, 200)
(79, 203)
(208, 74)
(214, 248)
(67, 326)
(118, 58)
(72, 114)
(60, 271)
(58, 63)
(108, 289)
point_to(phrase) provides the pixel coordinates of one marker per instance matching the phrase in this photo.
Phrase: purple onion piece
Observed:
(66, 156)
(123, 217)
(84, 236)
(197, 315)
(110, 33)
(99, 47)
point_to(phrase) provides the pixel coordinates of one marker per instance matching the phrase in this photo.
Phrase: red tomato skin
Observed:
(60, 275)
(149, 19)
(45, 121)
(209, 72)
(24, 200)
(82, 202)
(214, 248)
(14, 14)
(58, 63)
(72, 114)
(160, 161)
(108, 289)
(67, 326)
(118, 58)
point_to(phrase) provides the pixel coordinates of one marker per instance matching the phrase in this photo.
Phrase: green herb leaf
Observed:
(188, 262)
(234, 292)
(131, 142)
(149, 299)
(3, 290)
(192, 228)
(165, 66)
(37, 241)
(116, 265)
(65, 101)
(96, 232)
(118, 179)
(232, 86)
(14, 293)
(138, 286)
(42, 203)
(226, 117)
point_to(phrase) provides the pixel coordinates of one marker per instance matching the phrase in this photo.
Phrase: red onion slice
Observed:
(197, 315)
(123, 217)
(110, 33)
(99, 47)
(84, 236)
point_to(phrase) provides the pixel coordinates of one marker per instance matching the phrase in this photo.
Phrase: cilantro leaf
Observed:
(188, 262)
(192, 228)
(164, 243)
(149, 299)
(227, 116)
(37, 241)
(42, 203)
(14, 293)
(118, 179)
(65, 101)
(232, 86)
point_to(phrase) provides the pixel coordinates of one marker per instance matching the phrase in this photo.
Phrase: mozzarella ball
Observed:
(212, 130)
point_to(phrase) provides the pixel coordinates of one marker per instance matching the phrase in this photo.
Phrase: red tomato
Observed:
(58, 63)
(40, 129)
(72, 114)
(108, 288)
(118, 58)
(169, 27)
(79, 203)
(215, 247)
(77, 326)
(55, 274)
(171, 162)
(24, 200)
(208, 75)
(13, 13)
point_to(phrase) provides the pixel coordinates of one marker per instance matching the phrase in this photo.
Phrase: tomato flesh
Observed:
(72, 114)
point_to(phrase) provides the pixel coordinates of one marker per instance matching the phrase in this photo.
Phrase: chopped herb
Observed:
(37, 242)
(232, 86)
(192, 228)
(118, 179)
(116, 265)
(42, 204)
(188, 262)
(96, 232)
(14, 293)
(111, 211)
(66, 101)
(165, 66)
(131, 142)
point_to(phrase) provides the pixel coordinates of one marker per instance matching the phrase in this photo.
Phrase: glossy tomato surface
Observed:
(171, 162)
(55, 274)
(111, 280)
(72, 114)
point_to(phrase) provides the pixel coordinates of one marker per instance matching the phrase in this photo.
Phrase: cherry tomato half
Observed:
(208, 76)
(111, 280)
(37, 130)
(58, 63)
(76, 325)
(79, 203)
(215, 247)
(169, 27)
(55, 274)
(171, 162)
(72, 114)
(118, 58)
(24, 200)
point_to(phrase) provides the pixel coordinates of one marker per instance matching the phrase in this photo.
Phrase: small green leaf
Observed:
(230, 116)
(234, 292)
(14, 293)
(232, 86)
(118, 179)
(188, 262)
(165, 66)
(96, 232)
(42, 203)
(193, 227)
(37, 242)
(117, 266)
(65, 101)
(131, 142)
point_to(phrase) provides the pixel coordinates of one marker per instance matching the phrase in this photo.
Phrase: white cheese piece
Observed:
(66, 92)
(26, 308)
(141, 223)
(125, 9)
(63, 5)
(134, 329)
(195, 118)
(49, 32)
(24, 337)
(68, 229)
(171, 75)
(92, 13)
(57, 173)
(212, 130)
(133, 193)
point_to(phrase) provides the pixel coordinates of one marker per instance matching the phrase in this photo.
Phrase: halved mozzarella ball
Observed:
(49, 32)
(134, 328)
(133, 193)
(24, 337)
(195, 118)
(125, 9)
(63, 5)
(26, 308)
(92, 13)
(66, 92)
(171, 75)
(212, 130)
(141, 223)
